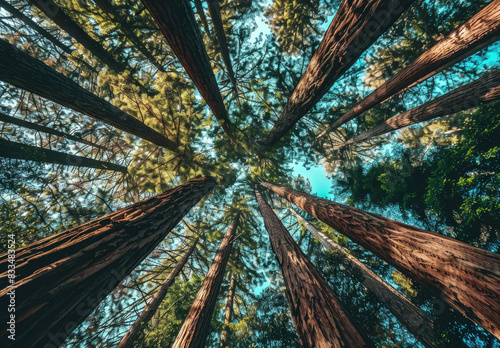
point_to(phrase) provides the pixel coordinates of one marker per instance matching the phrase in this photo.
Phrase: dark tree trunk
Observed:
(61, 279)
(478, 32)
(176, 21)
(150, 309)
(196, 327)
(37, 127)
(11, 149)
(319, 318)
(467, 277)
(484, 90)
(23, 71)
(201, 14)
(355, 27)
(226, 332)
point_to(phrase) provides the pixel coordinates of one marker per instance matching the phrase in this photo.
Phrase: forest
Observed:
(249, 173)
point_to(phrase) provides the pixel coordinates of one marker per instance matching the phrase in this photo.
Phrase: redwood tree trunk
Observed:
(196, 327)
(355, 27)
(151, 307)
(61, 279)
(225, 334)
(23, 71)
(176, 21)
(475, 34)
(201, 14)
(466, 276)
(484, 90)
(319, 319)
(11, 149)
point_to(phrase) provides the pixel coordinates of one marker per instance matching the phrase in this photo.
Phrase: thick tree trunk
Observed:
(475, 34)
(355, 27)
(196, 327)
(413, 318)
(23, 71)
(201, 14)
(226, 332)
(484, 90)
(151, 307)
(467, 277)
(319, 319)
(30, 23)
(11, 149)
(176, 21)
(37, 127)
(61, 279)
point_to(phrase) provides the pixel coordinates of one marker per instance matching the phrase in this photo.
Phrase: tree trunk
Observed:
(201, 14)
(467, 277)
(61, 279)
(40, 128)
(484, 90)
(355, 27)
(319, 319)
(196, 327)
(30, 23)
(226, 332)
(11, 149)
(176, 21)
(150, 308)
(478, 32)
(23, 71)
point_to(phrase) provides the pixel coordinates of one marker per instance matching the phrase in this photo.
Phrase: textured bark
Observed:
(355, 27)
(196, 327)
(484, 90)
(467, 277)
(226, 332)
(319, 319)
(201, 14)
(176, 20)
(61, 279)
(149, 310)
(11, 149)
(23, 71)
(478, 32)
(30, 23)
(37, 127)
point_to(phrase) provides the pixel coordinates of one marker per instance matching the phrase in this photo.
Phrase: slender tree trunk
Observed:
(176, 21)
(196, 327)
(30, 23)
(467, 277)
(478, 32)
(23, 71)
(413, 318)
(150, 308)
(225, 334)
(201, 14)
(61, 279)
(355, 27)
(11, 149)
(319, 318)
(37, 127)
(484, 90)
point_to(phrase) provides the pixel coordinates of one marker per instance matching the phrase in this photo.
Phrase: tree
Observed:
(61, 279)
(226, 333)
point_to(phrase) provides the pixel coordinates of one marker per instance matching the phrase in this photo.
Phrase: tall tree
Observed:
(226, 332)
(317, 314)
(201, 13)
(61, 279)
(176, 20)
(466, 276)
(355, 27)
(195, 329)
(23, 71)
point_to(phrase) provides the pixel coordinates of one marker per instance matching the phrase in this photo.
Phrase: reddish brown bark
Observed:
(467, 277)
(484, 90)
(61, 279)
(319, 318)
(23, 71)
(225, 334)
(355, 27)
(176, 20)
(149, 310)
(478, 32)
(196, 327)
